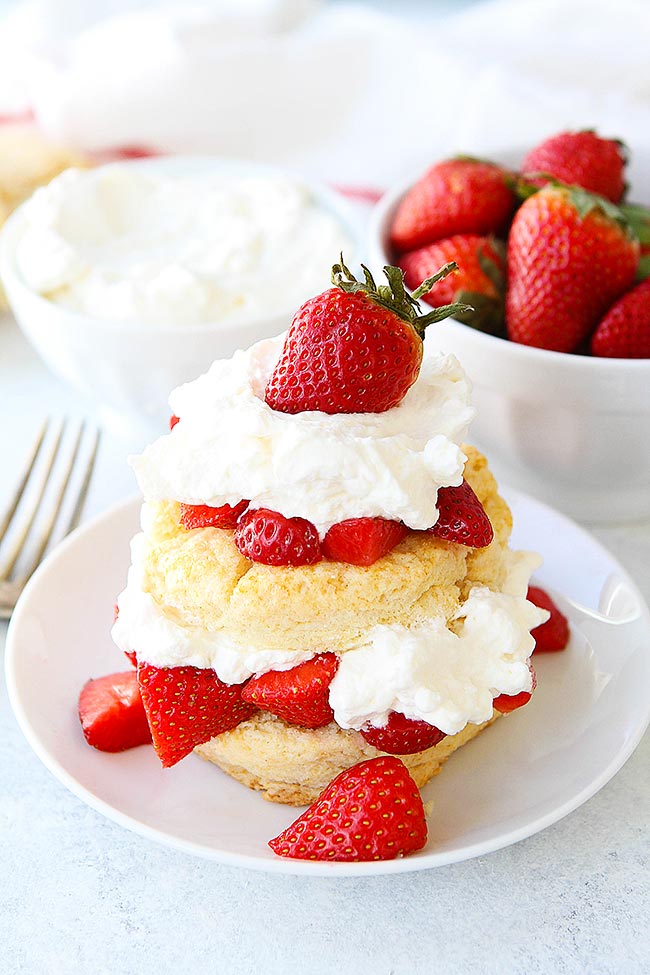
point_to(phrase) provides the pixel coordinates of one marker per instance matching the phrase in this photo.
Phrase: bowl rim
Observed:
(377, 234)
(333, 201)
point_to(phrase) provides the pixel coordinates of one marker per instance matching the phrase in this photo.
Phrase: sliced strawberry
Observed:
(267, 536)
(186, 706)
(300, 695)
(131, 657)
(510, 702)
(173, 420)
(361, 541)
(462, 517)
(401, 735)
(205, 516)
(554, 634)
(111, 713)
(372, 811)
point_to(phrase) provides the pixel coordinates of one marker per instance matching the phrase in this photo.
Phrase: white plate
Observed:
(529, 770)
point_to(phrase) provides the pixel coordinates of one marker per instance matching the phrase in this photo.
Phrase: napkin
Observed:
(339, 90)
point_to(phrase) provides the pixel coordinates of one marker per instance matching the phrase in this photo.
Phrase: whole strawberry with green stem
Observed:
(456, 196)
(479, 280)
(356, 348)
(570, 255)
(580, 159)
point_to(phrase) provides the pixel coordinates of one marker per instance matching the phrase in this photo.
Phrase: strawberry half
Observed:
(510, 702)
(372, 811)
(462, 517)
(205, 516)
(267, 536)
(362, 541)
(300, 695)
(173, 420)
(356, 348)
(111, 713)
(554, 634)
(186, 706)
(402, 736)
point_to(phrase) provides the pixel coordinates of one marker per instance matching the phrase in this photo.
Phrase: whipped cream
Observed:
(128, 244)
(425, 671)
(230, 445)
(429, 673)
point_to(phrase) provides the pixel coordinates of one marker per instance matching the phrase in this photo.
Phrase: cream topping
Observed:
(230, 445)
(132, 245)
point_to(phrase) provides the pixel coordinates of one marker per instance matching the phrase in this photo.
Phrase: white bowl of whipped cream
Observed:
(131, 278)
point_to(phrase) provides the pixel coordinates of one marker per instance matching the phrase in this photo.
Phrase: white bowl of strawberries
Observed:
(558, 348)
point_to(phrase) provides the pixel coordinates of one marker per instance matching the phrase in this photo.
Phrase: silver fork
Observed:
(39, 469)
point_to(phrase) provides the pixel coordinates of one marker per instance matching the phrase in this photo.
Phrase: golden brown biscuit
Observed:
(293, 765)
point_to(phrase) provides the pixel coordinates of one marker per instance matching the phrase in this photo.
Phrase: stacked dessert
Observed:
(323, 573)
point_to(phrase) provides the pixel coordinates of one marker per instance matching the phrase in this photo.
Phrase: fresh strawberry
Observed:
(361, 541)
(204, 516)
(186, 706)
(624, 332)
(510, 702)
(401, 735)
(462, 517)
(479, 280)
(111, 713)
(372, 811)
(457, 196)
(173, 420)
(570, 255)
(267, 536)
(298, 696)
(131, 657)
(554, 634)
(356, 348)
(582, 159)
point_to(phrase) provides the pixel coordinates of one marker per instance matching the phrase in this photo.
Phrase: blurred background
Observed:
(362, 92)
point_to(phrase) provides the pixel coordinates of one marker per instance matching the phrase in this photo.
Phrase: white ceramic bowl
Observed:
(130, 369)
(572, 430)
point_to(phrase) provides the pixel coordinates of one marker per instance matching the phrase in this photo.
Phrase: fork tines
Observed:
(48, 499)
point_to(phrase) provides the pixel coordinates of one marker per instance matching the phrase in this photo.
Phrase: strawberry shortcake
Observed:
(323, 573)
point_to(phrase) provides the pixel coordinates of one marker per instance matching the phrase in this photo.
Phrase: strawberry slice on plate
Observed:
(186, 706)
(372, 811)
(401, 735)
(299, 696)
(362, 541)
(462, 517)
(554, 634)
(111, 713)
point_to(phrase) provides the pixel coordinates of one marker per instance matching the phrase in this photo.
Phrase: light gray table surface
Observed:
(79, 894)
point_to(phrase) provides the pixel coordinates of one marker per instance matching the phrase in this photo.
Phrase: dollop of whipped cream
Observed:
(429, 673)
(425, 670)
(132, 245)
(230, 445)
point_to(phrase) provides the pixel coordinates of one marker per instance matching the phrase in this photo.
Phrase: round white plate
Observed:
(527, 771)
